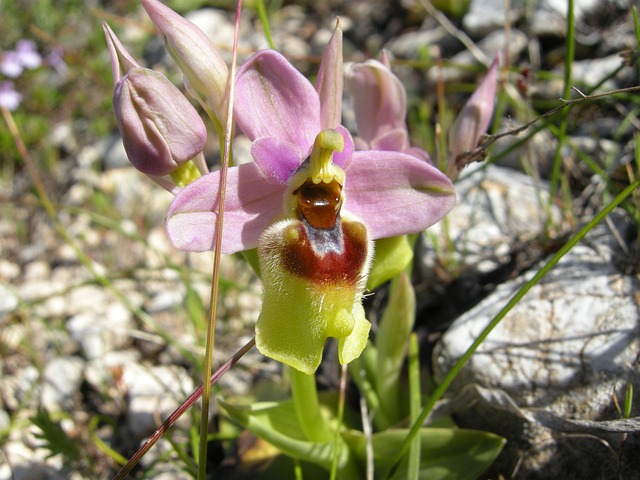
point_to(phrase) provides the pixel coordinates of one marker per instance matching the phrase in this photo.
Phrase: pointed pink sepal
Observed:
(329, 83)
(273, 99)
(474, 118)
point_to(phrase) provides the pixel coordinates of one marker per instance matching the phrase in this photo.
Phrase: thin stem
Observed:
(442, 19)
(568, 61)
(453, 373)
(415, 403)
(336, 436)
(215, 284)
(305, 400)
(264, 21)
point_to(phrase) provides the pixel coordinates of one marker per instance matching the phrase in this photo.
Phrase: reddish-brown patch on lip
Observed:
(326, 257)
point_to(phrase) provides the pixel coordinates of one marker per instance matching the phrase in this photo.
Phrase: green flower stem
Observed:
(568, 61)
(215, 283)
(264, 21)
(305, 401)
(415, 402)
(337, 444)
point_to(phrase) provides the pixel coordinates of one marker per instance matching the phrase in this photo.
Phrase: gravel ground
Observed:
(103, 353)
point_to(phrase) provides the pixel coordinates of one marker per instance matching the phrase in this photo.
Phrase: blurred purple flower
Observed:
(24, 56)
(9, 97)
(29, 56)
(55, 60)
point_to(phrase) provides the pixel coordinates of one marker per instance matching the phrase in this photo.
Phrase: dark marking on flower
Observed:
(333, 256)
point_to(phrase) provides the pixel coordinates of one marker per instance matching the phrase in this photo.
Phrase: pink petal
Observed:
(419, 153)
(277, 160)
(396, 194)
(251, 205)
(273, 99)
(379, 99)
(330, 81)
(396, 140)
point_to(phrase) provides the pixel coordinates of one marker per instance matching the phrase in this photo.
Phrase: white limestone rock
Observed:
(568, 345)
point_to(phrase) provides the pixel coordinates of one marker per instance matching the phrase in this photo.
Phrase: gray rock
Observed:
(8, 270)
(21, 389)
(589, 73)
(550, 16)
(113, 152)
(5, 421)
(497, 207)
(62, 136)
(100, 332)
(491, 45)
(61, 381)
(8, 300)
(102, 372)
(412, 44)
(485, 16)
(568, 345)
(154, 392)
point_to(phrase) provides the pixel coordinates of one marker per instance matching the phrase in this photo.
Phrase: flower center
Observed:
(319, 203)
(317, 186)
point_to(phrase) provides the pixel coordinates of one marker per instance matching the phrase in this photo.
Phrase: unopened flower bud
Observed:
(474, 118)
(160, 128)
(204, 69)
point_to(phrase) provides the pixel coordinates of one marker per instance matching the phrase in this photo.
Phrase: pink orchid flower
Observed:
(311, 204)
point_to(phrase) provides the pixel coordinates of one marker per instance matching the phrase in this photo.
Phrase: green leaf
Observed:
(444, 453)
(392, 256)
(54, 437)
(415, 405)
(277, 423)
(391, 341)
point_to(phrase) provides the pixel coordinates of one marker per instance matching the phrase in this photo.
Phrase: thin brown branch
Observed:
(178, 412)
(479, 153)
